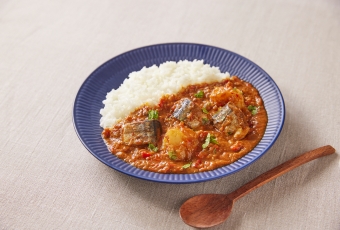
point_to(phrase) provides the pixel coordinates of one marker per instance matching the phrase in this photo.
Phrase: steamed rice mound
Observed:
(148, 85)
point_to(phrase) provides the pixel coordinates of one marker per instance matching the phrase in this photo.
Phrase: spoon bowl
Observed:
(212, 206)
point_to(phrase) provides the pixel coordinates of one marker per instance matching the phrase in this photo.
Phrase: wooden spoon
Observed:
(207, 210)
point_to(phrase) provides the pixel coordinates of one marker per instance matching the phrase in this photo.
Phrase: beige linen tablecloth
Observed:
(48, 180)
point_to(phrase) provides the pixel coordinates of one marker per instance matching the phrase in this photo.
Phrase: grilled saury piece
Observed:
(189, 113)
(183, 107)
(231, 120)
(139, 133)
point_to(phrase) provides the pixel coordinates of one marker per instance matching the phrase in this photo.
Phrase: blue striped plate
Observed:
(112, 73)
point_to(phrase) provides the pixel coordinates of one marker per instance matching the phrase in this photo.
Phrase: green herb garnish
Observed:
(186, 165)
(206, 142)
(199, 94)
(209, 139)
(252, 109)
(213, 140)
(205, 121)
(172, 155)
(204, 110)
(153, 115)
(237, 90)
(153, 148)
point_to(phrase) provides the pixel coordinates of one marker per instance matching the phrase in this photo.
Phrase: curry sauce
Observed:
(200, 128)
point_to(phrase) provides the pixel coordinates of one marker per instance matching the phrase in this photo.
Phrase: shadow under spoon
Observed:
(207, 210)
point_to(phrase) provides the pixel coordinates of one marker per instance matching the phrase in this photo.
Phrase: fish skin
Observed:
(231, 120)
(140, 133)
(181, 112)
(222, 114)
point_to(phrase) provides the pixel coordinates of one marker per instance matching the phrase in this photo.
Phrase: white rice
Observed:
(148, 85)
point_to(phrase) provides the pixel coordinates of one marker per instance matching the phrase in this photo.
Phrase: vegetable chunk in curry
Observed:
(201, 128)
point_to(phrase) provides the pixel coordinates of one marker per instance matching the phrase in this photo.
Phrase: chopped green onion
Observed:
(153, 148)
(204, 110)
(252, 109)
(172, 155)
(153, 115)
(199, 94)
(186, 165)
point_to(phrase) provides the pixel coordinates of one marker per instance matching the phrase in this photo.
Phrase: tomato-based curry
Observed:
(201, 128)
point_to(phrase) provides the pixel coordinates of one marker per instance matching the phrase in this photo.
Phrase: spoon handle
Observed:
(279, 170)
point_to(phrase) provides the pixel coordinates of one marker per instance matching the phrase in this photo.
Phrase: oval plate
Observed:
(112, 73)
